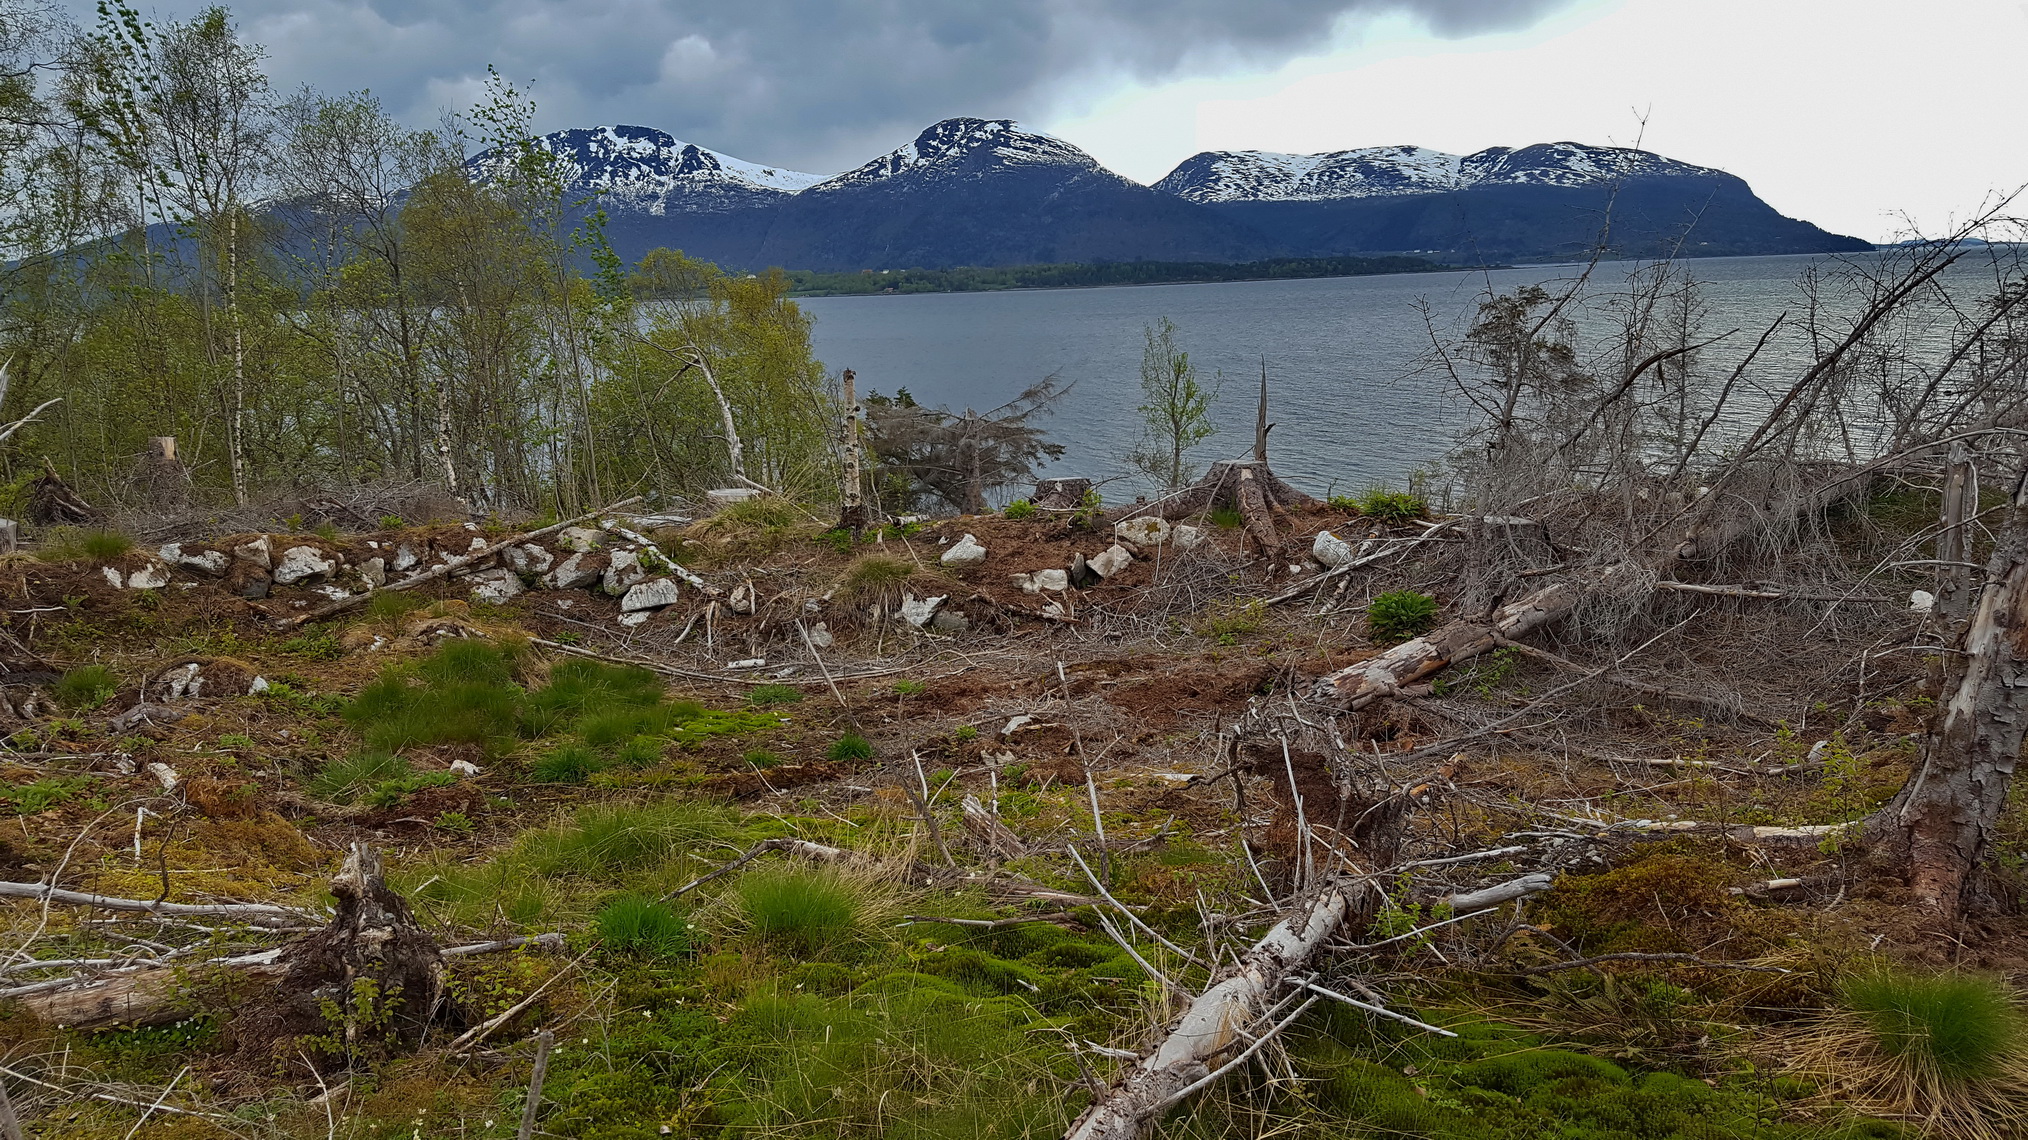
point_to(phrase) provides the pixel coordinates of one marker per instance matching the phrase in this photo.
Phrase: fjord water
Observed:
(1352, 398)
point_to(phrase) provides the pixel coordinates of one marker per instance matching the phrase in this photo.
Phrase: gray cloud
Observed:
(808, 85)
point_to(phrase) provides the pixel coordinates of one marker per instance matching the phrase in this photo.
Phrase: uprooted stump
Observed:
(370, 981)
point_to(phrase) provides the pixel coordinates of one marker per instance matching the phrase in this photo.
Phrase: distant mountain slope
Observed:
(982, 192)
(1548, 201)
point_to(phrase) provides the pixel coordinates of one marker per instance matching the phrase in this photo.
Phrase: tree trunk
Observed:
(851, 505)
(1214, 1022)
(1943, 820)
(1953, 545)
(235, 434)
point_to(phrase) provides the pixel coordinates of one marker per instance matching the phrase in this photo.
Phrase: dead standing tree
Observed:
(960, 457)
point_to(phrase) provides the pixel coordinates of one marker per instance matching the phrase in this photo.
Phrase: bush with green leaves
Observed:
(1400, 614)
(1020, 509)
(1383, 505)
(86, 687)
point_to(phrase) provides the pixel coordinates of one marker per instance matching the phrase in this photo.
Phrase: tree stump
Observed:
(1249, 487)
(369, 982)
(52, 503)
(1060, 494)
(160, 481)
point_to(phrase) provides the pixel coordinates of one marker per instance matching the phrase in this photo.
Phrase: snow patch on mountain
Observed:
(1373, 172)
(650, 171)
(955, 147)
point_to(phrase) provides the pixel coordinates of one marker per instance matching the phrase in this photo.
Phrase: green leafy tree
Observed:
(1176, 407)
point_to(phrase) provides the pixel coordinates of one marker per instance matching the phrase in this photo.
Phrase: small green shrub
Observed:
(1400, 614)
(234, 741)
(392, 522)
(456, 822)
(909, 688)
(320, 646)
(80, 544)
(40, 795)
(1383, 505)
(1020, 509)
(86, 687)
(849, 748)
(1090, 511)
(1227, 622)
(388, 793)
(774, 695)
(965, 733)
(642, 925)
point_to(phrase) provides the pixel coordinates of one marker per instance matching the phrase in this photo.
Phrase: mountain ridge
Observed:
(984, 192)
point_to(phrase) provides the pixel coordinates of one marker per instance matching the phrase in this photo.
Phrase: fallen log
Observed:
(1215, 1021)
(1357, 686)
(447, 568)
(253, 912)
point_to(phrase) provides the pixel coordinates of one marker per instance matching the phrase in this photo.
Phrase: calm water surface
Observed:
(1342, 355)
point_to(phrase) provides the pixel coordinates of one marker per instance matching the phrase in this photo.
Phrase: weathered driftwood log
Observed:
(1943, 820)
(996, 838)
(1213, 1023)
(249, 912)
(1357, 686)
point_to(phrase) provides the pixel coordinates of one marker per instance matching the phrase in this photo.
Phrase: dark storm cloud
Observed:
(814, 86)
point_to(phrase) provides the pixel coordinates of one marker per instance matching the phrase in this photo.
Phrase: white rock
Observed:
(1921, 602)
(650, 595)
(918, 611)
(405, 558)
(1016, 724)
(950, 621)
(572, 574)
(1053, 608)
(153, 576)
(821, 637)
(1144, 531)
(465, 768)
(964, 552)
(741, 600)
(496, 585)
(165, 776)
(477, 543)
(213, 562)
(579, 538)
(257, 551)
(1052, 579)
(727, 496)
(186, 681)
(259, 685)
(1026, 582)
(624, 571)
(1111, 560)
(332, 591)
(114, 576)
(374, 570)
(1330, 550)
(638, 617)
(1188, 537)
(300, 562)
(529, 559)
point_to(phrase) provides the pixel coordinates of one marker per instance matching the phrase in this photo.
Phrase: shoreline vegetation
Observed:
(1076, 275)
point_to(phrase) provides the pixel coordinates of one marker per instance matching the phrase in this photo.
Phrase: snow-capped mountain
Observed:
(1386, 171)
(985, 192)
(957, 147)
(640, 168)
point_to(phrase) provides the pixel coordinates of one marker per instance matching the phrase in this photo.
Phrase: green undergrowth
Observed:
(585, 718)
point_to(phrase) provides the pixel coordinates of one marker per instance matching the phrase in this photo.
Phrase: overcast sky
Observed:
(1850, 113)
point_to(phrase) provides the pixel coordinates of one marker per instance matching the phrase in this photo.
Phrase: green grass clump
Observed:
(81, 544)
(86, 687)
(1227, 518)
(642, 925)
(1020, 509)
(802, 910)
(1960, 1027)
(390, 606)
(1383, 505)
(760, 758)
(875, 575)
(579, 686)
(602, 841)
(848, 748)
(339, 781)
(774, 695)
(567, 763)
(1400, 614)
(462, 694)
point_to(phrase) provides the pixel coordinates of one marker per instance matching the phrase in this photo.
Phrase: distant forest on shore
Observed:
(1071, 275)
